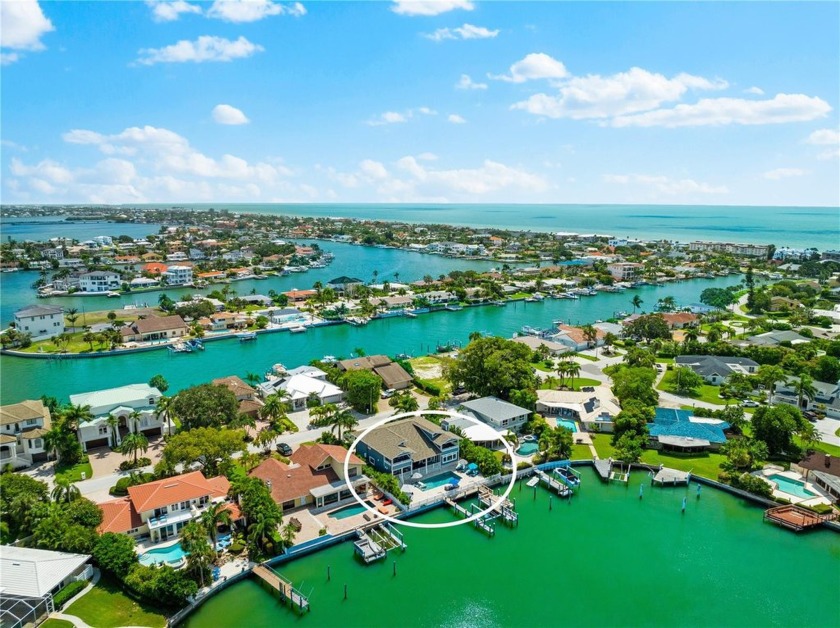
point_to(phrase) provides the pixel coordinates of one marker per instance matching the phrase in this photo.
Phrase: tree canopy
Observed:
(362, 388)
(205, 405)
(204, 444)
(634, 383)
(717, 297)
(777, 425)
(493, 366)
(648, 327)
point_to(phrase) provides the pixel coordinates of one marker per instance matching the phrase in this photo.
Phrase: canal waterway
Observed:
(24, 378)
(605, 559)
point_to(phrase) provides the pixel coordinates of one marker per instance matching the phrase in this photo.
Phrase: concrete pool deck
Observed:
(819, 497)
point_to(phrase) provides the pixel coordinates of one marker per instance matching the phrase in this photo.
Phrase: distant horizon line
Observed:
(407, 203)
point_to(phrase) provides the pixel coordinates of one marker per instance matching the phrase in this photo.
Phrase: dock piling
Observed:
(345, 591)
(328, 573)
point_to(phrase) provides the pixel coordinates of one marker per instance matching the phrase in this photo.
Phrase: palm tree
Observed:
(287, 533)
(65, 490)
(199, 553)
(252, 378)
(261, 532)
(562, 369)
(636, 302)
(113, 423)
(89, 337)
(134, 442)
(769, 375)
(76, 415)
(163, 408)
(591, 335)
(573, 371)
(216, 514)
(805, 388)
(690, 335)
(72, 315)
(343, 419)
(275, 409)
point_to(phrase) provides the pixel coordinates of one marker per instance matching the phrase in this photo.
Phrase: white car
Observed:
(749, 403)
(388, 393)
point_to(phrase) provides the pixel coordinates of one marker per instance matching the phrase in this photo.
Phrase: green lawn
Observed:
(665, 360)
(837, 432)
(540, 366)
(706, 392)
(106, 606)
(57, 623)
(584, 356)
(603, 445)
(581, 452)
(74, 473)
(576, 383)
(706, 465)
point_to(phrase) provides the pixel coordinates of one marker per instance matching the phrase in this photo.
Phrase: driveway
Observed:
(827, 428)
(106, 461)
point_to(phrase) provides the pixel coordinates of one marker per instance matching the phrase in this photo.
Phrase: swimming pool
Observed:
(349, 511)
(568, 424)
(170, 555)
(791, 486)
(440, 480)
(527, 449)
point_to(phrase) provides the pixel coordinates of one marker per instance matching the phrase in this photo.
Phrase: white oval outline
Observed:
(419, 413)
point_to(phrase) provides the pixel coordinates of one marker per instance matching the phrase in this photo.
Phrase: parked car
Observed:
(284, 449)
(810, 415)
(460, 390)
(386, 394)
(749, 403)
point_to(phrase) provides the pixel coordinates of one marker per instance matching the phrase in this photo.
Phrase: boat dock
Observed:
(603, 467)
(795, 517)
(504, 507)
(552, 484)
(287, 592)
(367, 548)
(384, 535)
(482, 523)
(568, 476)
(670, 477)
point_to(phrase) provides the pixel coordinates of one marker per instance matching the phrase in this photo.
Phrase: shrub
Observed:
(523, 465)
(820, 509)
(322, 532)
(62, 597)
(429, 387)
(128, 465)
(236, 547)
(120, 489)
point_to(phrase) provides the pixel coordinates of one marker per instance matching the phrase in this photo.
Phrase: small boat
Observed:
(453, 308)
(180, 347)
(113, 295)
(297, 330)
(329, 359)
(245, 336)
(196, 343)
(410, 314)
(533, 481)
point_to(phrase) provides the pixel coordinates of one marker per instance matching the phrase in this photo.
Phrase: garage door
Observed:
(99, 442)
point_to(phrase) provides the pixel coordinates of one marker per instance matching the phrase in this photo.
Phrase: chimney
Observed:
(268, 484)
(827, 460)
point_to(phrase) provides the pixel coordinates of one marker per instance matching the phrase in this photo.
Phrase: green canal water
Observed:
(605, 559)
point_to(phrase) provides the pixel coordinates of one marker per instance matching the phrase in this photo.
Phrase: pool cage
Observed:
(16, 611)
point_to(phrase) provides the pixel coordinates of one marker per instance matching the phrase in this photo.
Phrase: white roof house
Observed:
(300, 387)
(103, 401)
(28, 572)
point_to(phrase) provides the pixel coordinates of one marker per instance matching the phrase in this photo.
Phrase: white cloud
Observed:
(396, 117)
(665, 185)
(373, 169)
(22, 24)
(47, 169)
(467, 31)
(226, 114)
(170, 10)
(756, 91)
(205, 48)
(454, 118)
(783, 173)
(427, 157)
(239, 11)
(465, 82)
(536, 65)
(824, 137)
(429, 7)
(596, 96)
(722, 111)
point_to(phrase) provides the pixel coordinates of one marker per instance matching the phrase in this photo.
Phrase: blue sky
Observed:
(430, 101)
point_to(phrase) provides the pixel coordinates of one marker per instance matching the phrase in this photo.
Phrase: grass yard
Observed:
(706, 392)
(430, 368)
(106, 606)
(576, 383)
(665, 360)
(603, 445)
(584, 357)
(706, 465)
(74, 472)
(57, 623)
(581, 452)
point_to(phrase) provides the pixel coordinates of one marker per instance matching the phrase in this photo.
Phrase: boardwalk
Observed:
(283, 586)
(553, 484)
(796, 517)
(504, 507)
(603, 467)
(482, 523)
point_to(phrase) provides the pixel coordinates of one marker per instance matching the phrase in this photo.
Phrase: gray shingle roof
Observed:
(38, 310)
(417, 436)
(708, 365)
(495, 408)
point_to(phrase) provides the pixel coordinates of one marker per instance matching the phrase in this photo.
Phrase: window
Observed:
(103, 429)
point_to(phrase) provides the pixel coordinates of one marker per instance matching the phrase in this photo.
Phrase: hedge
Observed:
(62, 597)
(427, 386)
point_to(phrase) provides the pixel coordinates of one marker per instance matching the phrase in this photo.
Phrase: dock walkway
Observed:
(482, 523)
(795, 517)
(283, 586)
(553, 484)
(603, 467)
(504, 507)
(670, 477)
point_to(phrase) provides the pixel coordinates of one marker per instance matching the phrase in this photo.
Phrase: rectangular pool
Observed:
(349, 511)
(791, 486)
(568, 424)
(440, 480)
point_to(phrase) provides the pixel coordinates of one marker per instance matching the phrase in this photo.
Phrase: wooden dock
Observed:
(554, 485)
(367, 548)
(287, 592)
(504, 507)
(670, 477)
(603, 467)
(795, 517)
(482, 523)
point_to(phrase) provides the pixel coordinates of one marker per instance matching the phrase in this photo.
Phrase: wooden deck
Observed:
(603, 467)
(795, 517)
(283, 586)
(671, 477)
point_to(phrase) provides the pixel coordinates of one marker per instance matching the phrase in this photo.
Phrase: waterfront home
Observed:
(610, 328)
(501, 415)
(299, 296)
(121, 404)
(479, 433)
(22, 429)
(29, 578)
(249, 403)
(154, 268)
(574, 338)
(775, 339)
(409, 446)
(154, 328)
(42, 321)
(284, 315)
(344, 285)
(715, 369)
(624, 271)
(681, 431)
(395, 303)
(681, 320)
(99, 281)
(439, 296)
(535, 342)
(178, 275)
(301, 387)
(142, 282)
(393, 375)
(160, 509)
(826, 399)
(823, 470)
(596, 409)
(313, 477)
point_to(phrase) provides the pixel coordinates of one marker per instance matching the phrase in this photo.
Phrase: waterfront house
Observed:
(535, 342)
(29, 578)
(121, 404)
(285, 315)
(479, 433)
(313, 477)
(22, 429)
(99, 281)
(154, 328)
(574, 338)
(42, 321)
(160, 509)
(823, 470)
(681, 320)
(775, 339)
(179, 275)
(299, 296)
(299, 388)
(715, 369)
(501, 415)
(409, 446)
(624, 271)
(681, 431)
(826, 399)
(596, 409)
(393, 375)
(249, 403)
(154, 268)
(344, 285)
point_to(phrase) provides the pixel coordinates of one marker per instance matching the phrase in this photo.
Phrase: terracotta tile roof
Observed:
(679, 318)
(236, 385)
(314, 455)
(576, 333)
(118, 516)
(250, 407)
(235, 512)
(176, 489)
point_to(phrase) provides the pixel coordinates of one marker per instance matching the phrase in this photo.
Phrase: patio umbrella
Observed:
(472, 466)
(417, 476)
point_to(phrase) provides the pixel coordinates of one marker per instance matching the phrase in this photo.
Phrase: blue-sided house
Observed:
(680, 430)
